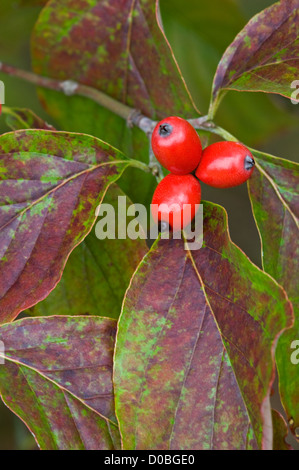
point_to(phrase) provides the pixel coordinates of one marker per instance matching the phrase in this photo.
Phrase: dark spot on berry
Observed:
(248, 162)
(165, 129)
(163, 226)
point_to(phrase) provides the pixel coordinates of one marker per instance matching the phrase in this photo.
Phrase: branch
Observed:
(70, 88)
(205, 124)
(132, 116)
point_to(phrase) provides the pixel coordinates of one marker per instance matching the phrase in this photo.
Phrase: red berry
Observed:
(0, 108)
(174, 191)
(225, 164)
(176, 145)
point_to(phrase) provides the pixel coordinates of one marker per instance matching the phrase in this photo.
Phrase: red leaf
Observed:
(57, 377)
(50, 186)
(195, 325)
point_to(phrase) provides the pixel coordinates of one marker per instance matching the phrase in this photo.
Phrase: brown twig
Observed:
(71, 87)
(132, 116)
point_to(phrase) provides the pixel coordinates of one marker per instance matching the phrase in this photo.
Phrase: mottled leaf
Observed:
(112, 46)
(118, 48)
(194, 325)
(264, 56)
(274, 193)
(198, 35)
(97, 273)
(50, 186)
(19, 118)
(57, 377)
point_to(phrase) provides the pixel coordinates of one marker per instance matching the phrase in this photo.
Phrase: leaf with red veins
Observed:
(50, 186)
(195, 325)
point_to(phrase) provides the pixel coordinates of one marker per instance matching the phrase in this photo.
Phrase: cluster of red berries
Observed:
(178, 148)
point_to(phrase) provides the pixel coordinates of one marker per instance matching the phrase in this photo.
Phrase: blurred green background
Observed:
(199, 32)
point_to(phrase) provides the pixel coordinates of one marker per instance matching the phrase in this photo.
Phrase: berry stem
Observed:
(140, 165)
(222, 132)
(199, 123)
(205, 124)
(214, 104)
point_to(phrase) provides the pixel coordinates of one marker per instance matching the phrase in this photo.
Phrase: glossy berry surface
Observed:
(173, 192)
(176, 145)
(225, 164)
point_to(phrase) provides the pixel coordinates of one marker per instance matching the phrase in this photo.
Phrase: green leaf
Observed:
(264, 55)
(56, 377)
(97, 273)
(50, 186)
(194, 325)
(274, 194)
